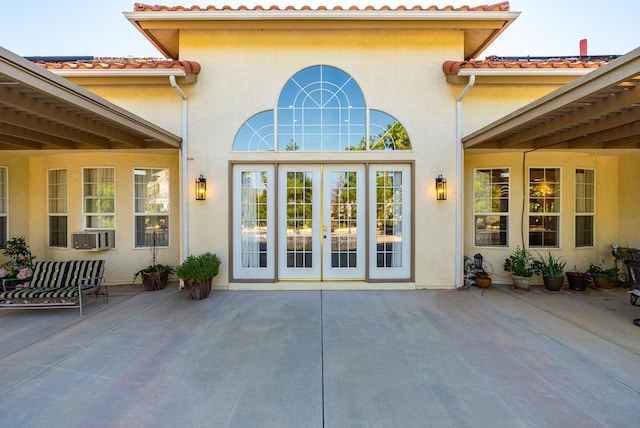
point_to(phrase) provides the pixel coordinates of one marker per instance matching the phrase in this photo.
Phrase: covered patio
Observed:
(325, 358)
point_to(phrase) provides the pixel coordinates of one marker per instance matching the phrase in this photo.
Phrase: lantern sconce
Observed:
(441, 188)
(201, 188)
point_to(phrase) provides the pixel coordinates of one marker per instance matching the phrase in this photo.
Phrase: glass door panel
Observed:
(390, 221)
(299, 222)
(253, 222)
(343, 229)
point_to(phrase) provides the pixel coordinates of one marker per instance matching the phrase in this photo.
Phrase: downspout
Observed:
(185, 172)
(460, 185)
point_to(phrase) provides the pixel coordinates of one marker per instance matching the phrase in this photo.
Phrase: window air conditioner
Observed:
(93, 240)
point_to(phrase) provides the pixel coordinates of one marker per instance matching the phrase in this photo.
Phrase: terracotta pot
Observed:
(198, 290)
(154, 280)
(553, 283)
(602, 283)
(521, 282)
(483, 281)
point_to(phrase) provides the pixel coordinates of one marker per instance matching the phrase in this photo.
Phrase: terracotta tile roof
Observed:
(190, 67)
(497, 7)
(453, 67)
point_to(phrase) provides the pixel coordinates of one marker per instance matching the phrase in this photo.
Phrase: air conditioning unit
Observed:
(93, 240)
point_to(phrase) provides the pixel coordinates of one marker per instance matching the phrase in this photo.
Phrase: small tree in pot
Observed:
(522, 267)
(197, 272)
(154, 276)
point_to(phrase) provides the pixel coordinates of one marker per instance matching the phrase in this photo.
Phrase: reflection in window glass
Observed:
(491, 206)
(151, 207)
(98, 197)
(389, 219)
(544, 207)
(57, 207)
(585, 207)
(3, 207)
(321, 108)
(299, 219)
(253, 219)
(256, 134)
(386, 133)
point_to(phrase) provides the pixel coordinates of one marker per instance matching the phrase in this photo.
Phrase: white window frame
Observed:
(4, 204)
(578, 213)
(557, 213)
(60, 199)
(145, 214)
(87, 215)
(251, 273)
(403, 271)
(506, 214)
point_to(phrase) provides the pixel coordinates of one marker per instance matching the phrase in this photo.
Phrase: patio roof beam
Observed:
(574, 116)
(82, 121)
(57, 131)
(589, 105)
(10, 132)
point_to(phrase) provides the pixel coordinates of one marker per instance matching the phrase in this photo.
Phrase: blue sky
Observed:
(98, 28)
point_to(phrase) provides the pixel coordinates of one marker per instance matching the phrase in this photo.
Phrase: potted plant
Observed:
(522, 267)
(578, 280)
(483, 279)
(19, 268)
(552, 270)
(156, 275)
(602, 277)
(197, 272)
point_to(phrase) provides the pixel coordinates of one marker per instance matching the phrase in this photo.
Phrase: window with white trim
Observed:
(98, 198)
(491, 207)
(57, 207)
(585, 207)
(544, 207)
(151, 190)
(3, 207)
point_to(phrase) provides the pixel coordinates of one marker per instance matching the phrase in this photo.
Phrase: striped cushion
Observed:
(49, 274)
(39, 293)
(84, 271)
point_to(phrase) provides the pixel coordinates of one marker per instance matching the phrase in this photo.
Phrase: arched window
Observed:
(321, 108)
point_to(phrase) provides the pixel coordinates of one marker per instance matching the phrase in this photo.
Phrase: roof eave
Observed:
(600, 81)
(147, 22)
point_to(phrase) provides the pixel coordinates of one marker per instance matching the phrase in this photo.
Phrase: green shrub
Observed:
(199, 268)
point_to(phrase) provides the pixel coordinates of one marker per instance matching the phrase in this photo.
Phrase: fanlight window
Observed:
(321, 108)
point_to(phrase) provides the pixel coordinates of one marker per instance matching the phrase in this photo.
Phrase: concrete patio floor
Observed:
(446, 358)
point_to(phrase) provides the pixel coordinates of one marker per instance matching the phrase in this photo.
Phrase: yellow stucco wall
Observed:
(629, 200)
(399, 72)
(122, 261)
(606, 216)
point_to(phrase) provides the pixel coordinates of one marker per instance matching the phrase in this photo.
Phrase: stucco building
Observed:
(321, 134)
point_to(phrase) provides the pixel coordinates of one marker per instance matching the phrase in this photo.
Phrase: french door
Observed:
(320, 222)
(321, 212)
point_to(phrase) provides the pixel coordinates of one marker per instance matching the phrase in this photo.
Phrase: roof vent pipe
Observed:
(583, 47)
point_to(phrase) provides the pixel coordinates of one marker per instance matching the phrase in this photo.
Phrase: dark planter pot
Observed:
(154, 280)
(578, 281)
(553, 283)
(198, 290)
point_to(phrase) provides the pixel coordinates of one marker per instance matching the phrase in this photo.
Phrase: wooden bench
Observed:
(58, 285)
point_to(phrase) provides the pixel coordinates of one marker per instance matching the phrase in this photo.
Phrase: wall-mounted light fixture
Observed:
(201, 188)
(441, 188)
